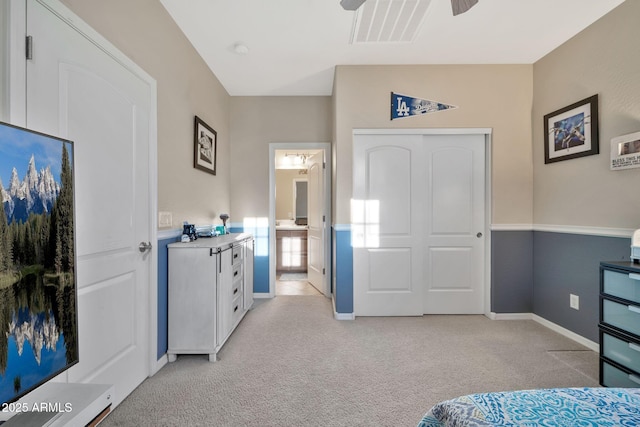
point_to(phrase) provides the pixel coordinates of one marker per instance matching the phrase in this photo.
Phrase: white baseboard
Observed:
(341, 316)
(510, 316)
(567, 333)
(259, 295)
(594, 346)
(159, 364)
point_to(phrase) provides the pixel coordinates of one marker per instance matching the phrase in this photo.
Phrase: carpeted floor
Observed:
(290, 363)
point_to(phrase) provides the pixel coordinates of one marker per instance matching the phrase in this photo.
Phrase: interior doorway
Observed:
(299, 219)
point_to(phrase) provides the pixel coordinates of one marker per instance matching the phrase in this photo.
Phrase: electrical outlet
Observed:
(165, 219)
(574, 301)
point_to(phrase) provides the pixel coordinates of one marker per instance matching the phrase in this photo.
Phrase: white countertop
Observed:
(213, 242)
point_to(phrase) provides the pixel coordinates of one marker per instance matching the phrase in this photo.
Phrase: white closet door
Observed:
(454, 224)
(78, 91)
(386, 225)
(417, 224)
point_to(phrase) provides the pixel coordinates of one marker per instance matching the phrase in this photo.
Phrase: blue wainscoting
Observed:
(566, 264)
(535, 271)
(343, 256)
(512, 271)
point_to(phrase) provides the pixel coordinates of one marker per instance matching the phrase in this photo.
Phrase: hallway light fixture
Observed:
(300, 159)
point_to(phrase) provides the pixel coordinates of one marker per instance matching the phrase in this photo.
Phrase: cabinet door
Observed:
(248, 274)
(192, 300)
(225, 294)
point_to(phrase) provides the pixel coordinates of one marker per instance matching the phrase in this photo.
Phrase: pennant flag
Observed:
(405, 106)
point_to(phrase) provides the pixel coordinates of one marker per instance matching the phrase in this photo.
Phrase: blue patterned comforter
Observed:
(544, 407)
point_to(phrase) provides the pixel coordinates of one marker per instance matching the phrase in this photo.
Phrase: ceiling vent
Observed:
(388, 21)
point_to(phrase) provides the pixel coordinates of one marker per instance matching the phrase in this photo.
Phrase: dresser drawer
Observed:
(622, 285)
(622, 316)
(236, 310)
(236, 289)
(620, 350)
(236, 254)
(614, 377)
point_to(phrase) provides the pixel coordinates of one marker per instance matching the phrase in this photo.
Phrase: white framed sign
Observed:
(625, 151)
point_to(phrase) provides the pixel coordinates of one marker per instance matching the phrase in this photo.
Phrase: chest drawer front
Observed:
(614, 377)
(623, 285)
(236, 254)
(622, 351)
(237, 273)
(625, 317)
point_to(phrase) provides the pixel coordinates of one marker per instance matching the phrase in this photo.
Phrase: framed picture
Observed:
(625, 151)
(204, 142)
(572, 131)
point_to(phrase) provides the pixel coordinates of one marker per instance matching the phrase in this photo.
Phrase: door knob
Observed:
(144, 246)
(479, 235)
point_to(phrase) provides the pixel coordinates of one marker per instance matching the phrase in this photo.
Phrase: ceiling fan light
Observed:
(351, 4)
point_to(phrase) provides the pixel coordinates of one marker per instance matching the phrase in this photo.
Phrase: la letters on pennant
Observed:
(405, 106)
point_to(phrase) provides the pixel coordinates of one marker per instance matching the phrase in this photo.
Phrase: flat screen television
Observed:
(38, 299)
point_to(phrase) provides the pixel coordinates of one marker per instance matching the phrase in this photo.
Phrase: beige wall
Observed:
(601, 60)
(487, 96)
(258, 121)
(145, 32)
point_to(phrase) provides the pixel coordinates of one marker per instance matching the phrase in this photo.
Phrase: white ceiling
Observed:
(294, 45)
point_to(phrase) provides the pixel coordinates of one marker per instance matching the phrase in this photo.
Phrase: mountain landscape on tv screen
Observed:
(36, 193)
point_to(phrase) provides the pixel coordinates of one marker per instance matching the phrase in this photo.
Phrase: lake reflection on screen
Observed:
(37, 331)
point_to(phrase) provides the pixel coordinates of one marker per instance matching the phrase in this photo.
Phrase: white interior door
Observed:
(316, 220)
(80, 92)
(418, 223)
(454, 228)
(386, 225)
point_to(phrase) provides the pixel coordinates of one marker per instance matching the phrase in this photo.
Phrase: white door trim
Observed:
(17, 115)
(487, 132)
(273, 146)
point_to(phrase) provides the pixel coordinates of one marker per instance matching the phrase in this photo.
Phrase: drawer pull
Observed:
(235, 291)
(236, 309)
(634, 378)
(634, 308)
(634, 347)
(235, 273)
(634, 276)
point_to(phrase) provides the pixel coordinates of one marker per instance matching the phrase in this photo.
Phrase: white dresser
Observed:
(210, 291)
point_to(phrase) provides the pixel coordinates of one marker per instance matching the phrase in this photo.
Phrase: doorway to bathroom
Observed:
(299, 219)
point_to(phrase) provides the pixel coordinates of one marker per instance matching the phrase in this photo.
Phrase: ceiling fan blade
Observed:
(351, 4)
(461, 6)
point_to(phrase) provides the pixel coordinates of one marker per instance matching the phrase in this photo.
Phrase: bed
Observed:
(597, 406)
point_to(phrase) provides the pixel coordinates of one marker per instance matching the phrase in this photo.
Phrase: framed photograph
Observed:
(572, 131)
(204, 141)
(625, 151)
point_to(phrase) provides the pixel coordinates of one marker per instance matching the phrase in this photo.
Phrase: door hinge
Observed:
(323, 218)
(324, 165)
(323, 271)
(29, 47)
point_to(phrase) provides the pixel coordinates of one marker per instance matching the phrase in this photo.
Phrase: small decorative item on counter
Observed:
(189, 230)
(224, 217)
